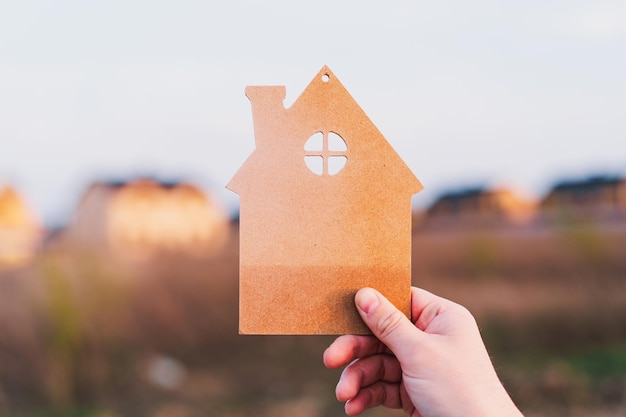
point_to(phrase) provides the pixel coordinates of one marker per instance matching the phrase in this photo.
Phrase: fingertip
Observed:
(325, 358)
(346, 348)
(331, 353)
(348, 409)
(339, 352)
(332, 357)
(353, 408)
(345, 407)
(366, 299)
(341, 393)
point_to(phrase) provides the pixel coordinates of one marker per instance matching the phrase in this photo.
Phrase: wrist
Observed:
(502, 405)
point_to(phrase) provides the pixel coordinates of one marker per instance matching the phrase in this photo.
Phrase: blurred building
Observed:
(598, 197)
(20, 231)
(479, 207)
(145, 217)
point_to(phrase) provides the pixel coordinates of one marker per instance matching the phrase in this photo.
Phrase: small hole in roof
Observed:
(325, 78)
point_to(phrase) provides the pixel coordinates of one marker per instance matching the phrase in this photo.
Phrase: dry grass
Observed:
(88, 332)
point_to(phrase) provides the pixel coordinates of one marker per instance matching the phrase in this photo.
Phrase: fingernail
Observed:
(338, 387)
(366, 300)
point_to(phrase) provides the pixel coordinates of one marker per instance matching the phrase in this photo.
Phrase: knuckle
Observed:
(466, 315)
(389, 323)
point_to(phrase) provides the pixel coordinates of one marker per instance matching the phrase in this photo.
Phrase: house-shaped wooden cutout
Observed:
(325, 210)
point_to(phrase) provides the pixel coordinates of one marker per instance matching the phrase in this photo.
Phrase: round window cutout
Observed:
(325, 153)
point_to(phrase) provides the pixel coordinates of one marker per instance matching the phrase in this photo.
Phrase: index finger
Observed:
(422, 300)
(347, 348)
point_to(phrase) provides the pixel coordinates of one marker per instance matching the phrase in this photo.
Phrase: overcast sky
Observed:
(515, 93)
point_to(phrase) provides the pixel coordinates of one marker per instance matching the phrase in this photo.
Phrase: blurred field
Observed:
(86, 334)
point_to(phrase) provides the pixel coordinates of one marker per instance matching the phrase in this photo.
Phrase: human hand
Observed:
(436, 365)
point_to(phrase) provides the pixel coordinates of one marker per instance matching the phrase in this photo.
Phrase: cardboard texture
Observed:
(325, 210)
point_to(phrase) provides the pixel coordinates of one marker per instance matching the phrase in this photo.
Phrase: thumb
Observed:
(387, 323)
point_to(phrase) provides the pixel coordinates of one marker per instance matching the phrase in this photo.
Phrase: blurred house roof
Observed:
(591, 183)
(20, 230)
(146, 215)
(478, 207)
(592, 191)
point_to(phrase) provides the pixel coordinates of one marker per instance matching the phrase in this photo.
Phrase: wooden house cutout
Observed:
(325, 210)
